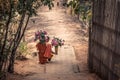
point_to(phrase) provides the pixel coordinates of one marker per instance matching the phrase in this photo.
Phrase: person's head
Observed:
(42, 39)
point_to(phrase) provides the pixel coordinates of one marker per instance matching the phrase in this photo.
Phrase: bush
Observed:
(22, 50)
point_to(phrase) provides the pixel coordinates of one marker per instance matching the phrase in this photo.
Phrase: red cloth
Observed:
(48, 51)
(41, 48)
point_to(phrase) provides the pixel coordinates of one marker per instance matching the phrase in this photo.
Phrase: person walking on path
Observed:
(44, 49)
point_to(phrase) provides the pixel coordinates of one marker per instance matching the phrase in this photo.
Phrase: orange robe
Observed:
(41, 48)
(44, 52)
(48, 51)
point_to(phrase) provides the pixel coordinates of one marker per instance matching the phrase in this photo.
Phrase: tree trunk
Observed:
(5, 39)
(17, 36)
(12, 58)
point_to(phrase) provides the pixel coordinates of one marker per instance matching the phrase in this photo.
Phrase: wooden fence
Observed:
(104, 39)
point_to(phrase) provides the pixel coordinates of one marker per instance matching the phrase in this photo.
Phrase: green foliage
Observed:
(72, 3)
(48, 3)
(85, 11)
(82, 8)
(22, 49)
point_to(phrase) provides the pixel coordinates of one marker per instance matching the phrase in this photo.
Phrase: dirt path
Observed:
(57, 23)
